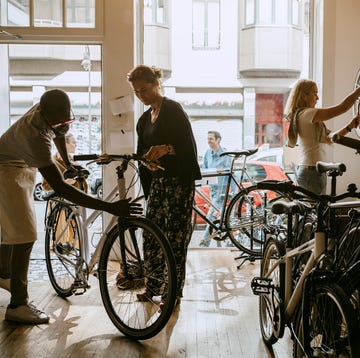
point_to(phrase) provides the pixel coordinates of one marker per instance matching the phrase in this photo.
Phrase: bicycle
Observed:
(297, 284)
(118, 261)
(349, 251)
(243, 213)
(217, 229)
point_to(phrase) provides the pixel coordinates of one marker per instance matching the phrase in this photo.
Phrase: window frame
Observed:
(31, 32)
(205, 45)
(255, 16)
(154, 16)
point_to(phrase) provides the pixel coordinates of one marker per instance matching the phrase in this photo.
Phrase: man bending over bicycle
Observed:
(25, 146)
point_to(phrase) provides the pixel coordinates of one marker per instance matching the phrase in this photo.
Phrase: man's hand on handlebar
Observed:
(124, 208)
(75, 170)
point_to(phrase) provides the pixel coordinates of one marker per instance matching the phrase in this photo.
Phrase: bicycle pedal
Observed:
(79, 288)
(261, 285)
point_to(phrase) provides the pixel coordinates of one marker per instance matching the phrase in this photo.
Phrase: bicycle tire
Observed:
(329, 323)
(298, 337)
(348, 262)
(62, 249)
(349, 281)
(272, 320)
(246, 215)
(349, 247)
(138, 320)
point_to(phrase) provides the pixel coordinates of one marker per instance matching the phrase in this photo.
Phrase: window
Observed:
(155, 12)
(48, 13)
(250, 12)
(206, 24)
(257, 172)
(272, 12)
(80, 13)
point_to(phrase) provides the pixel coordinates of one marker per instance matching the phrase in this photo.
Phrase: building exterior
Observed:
(230, 63)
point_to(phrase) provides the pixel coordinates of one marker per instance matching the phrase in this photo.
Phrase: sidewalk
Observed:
(37, 269)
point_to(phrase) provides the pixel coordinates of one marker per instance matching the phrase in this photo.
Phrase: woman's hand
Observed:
(154, 154)
(354, 122)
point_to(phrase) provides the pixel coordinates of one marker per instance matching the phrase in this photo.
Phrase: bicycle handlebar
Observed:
(347, 142)
(83, 157)
(107, 158)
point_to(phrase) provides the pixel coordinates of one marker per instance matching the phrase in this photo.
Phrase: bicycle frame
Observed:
(218, 225)
(318, 246)
(214, 225)
(79, 213)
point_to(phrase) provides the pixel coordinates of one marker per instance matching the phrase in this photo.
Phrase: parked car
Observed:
(95, 183)
(273, 155)
(39, 191)
(258, 170)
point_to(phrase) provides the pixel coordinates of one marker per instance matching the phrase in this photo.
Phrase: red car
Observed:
(257, 170)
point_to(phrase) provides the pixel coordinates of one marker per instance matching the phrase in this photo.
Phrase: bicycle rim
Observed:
(329, 323)
(62, 249)
(123, 275)
(269, 315)
(245, 217)
(349, 247)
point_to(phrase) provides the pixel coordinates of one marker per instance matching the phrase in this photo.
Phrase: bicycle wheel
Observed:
(62, 248)
(125, 270)
(349, 247)
(348, 261)
(270, 305)
(246, 215)
(349, 281)
(329, 323)
(297, 336)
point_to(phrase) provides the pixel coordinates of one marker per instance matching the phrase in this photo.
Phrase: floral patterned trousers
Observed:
(170, 207)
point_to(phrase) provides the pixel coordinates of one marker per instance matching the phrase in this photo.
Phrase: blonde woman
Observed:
(307, 128)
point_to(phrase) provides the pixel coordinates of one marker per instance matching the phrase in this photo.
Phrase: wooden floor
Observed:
(218, 317)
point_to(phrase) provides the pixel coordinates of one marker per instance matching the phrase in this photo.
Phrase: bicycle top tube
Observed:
(287, 186)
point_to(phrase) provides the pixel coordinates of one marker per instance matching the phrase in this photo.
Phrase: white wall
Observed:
(341, 62)
(118, 59)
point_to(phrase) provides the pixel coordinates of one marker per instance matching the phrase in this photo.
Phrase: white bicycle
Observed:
(119, 261)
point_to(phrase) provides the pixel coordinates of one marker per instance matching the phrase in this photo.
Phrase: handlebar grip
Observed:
(347, 141)
(81, 157)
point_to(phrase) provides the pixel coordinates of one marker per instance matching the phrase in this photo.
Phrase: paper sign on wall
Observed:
(120, 105)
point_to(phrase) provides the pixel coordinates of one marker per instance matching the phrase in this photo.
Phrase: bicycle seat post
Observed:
(333, 174)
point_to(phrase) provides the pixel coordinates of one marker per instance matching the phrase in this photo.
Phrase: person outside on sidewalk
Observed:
(213, 160)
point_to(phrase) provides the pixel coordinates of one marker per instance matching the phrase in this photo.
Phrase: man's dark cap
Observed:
(55, 101)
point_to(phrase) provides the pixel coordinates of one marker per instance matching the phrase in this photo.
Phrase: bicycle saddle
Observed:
(246, 152)
(292, 207)
(332, 168)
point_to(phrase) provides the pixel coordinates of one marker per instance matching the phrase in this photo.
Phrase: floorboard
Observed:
(218, 317)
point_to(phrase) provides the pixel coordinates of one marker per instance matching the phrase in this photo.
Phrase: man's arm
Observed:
(61, 147)
(120, 208)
